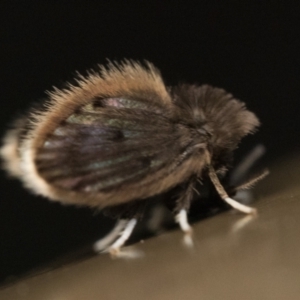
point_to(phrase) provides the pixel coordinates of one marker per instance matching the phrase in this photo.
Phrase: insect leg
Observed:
(103, 244)
(182, 220)
(181, 210)
(221, 191)
(118, 236)
(114, 249)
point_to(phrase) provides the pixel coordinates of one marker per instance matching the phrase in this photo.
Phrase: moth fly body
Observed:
(121, 136)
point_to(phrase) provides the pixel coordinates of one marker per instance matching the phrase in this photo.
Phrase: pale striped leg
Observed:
(116, 238)
(114, 249)
(182, 220)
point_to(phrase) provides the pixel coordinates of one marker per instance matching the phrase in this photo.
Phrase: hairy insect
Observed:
(120, 136)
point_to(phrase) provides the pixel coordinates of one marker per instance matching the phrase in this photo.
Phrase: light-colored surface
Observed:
(234, 257)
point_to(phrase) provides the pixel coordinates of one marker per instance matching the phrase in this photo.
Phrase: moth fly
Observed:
(120, 136)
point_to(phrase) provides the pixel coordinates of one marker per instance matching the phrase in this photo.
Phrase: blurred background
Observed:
(249, 48)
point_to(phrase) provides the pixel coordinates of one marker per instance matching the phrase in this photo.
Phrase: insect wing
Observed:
(106, 145)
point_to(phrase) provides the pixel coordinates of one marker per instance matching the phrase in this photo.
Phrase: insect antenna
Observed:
(223, 194)
(252, 181)
(240, 172)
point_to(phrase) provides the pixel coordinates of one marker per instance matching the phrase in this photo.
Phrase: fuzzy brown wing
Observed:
(107, 149)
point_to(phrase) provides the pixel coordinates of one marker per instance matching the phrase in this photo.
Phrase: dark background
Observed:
(250, 48)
